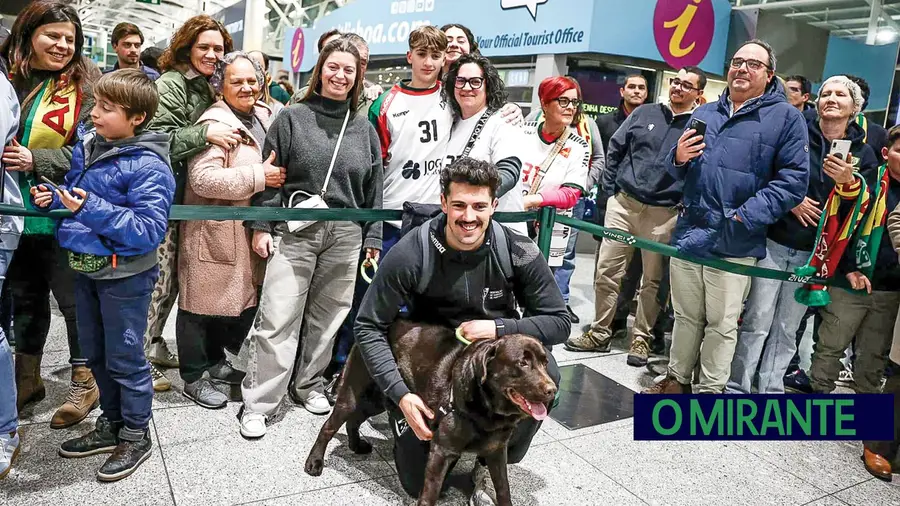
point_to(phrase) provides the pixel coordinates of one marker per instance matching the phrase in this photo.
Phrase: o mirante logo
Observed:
(684, 30)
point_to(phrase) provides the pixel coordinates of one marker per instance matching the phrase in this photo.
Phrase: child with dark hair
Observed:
(120, 189)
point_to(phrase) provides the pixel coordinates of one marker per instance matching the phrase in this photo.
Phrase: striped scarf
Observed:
(833, 237)
(868, 238)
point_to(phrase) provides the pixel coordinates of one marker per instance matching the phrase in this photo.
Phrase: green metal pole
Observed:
(546, 220)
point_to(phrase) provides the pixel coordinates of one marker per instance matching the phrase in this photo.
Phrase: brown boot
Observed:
(877, 465)
(668, 386)
(29, 386)
(82, 399)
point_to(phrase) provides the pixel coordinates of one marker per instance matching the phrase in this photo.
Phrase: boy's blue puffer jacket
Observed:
(130, 188)
(755, 165)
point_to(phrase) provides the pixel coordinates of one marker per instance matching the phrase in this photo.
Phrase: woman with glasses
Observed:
(476, 93)
(554, 157)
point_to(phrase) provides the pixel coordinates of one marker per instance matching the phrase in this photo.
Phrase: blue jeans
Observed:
(767, 336)
(112, 319)
(9, 414)
(345, 339)
(563, 273)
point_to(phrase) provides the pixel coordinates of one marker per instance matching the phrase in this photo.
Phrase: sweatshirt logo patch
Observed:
(565, 152)
(437, 244)
(651, 126)
(495, 294)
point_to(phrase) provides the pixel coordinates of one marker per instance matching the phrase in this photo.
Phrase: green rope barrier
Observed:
(669, 251)
(546, 217)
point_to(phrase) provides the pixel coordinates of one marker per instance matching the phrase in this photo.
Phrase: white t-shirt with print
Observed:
(498, 140)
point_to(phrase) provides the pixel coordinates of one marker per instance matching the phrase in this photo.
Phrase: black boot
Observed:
(133, 449)
(103, 439)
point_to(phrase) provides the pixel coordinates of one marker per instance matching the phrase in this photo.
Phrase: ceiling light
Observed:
(885, 36)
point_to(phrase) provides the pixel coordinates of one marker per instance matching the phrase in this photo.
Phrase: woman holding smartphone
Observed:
(772, 315)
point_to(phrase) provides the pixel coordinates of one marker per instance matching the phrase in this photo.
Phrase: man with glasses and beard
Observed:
(754, 170)
(641, 199)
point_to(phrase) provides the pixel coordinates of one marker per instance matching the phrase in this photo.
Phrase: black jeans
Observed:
(817, 320)
(38, 267)
(888, 449)
(202, 340)
(411, 453)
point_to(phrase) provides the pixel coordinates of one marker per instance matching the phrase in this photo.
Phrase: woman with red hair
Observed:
(555, 158)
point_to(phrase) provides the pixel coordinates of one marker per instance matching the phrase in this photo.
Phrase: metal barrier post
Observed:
(546, 220)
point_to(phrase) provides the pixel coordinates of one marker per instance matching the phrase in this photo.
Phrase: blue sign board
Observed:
(697, 28)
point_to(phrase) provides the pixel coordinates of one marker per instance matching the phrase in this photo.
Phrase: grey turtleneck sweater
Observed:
(303, 138)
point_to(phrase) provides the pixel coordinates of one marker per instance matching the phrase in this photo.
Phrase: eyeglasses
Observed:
(474, 82)
(754, 65)
(565, 102)
(684, 85)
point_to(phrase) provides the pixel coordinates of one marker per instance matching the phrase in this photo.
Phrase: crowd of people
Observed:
(755, 178)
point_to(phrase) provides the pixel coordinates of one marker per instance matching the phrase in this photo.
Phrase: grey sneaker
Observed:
(589, 341)
(160, 382)
(160, 355)
(225, 373)
(484, 494)
(205, 394)
(639, 352)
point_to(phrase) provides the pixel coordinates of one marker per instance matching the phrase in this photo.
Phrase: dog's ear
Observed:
(482, 357)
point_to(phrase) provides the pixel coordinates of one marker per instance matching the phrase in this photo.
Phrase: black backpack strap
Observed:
(427, 257)
(501, 251)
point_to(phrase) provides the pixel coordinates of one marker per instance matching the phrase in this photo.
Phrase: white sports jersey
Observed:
(414, 128)
(498, 140)
(568, 168)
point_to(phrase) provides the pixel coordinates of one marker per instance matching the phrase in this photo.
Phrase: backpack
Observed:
(499, 252)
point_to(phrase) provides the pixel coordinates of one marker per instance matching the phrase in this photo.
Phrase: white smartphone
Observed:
(840, 148)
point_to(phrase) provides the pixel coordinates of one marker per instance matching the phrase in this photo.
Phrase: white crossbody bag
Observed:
(315, 201)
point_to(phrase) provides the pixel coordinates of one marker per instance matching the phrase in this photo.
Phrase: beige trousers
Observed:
(655, 223)
(707, 304)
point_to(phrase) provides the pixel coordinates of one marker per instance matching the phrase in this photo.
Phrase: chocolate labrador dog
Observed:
(479, 393)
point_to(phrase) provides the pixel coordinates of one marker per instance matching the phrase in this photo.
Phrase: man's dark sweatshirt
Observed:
(788, 231)
(636, 156)
(464, 286)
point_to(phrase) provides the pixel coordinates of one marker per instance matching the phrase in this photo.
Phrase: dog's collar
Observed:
(444, 410)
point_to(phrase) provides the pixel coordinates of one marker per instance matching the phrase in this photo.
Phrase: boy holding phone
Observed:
(119, 189)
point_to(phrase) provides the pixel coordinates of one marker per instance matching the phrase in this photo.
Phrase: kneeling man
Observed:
(469, 288)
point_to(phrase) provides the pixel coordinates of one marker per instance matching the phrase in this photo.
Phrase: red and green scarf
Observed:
(833, 237)
(868, 238)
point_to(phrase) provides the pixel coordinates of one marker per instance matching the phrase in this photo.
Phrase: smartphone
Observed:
(698, 125)
(840, 148)
(49, 183)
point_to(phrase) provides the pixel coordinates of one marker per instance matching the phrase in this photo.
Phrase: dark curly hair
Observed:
(18, 50)
(493, 85)
(473, 42)
(472, 172)
(179, 50)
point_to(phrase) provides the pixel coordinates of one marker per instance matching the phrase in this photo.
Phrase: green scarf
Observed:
(868, 237)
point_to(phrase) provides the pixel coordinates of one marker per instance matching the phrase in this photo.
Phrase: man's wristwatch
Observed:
(500, 326)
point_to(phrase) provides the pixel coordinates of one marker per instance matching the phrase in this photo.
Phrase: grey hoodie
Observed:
(10, 226)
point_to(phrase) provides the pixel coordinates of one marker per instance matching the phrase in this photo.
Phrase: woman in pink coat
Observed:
(218, 273)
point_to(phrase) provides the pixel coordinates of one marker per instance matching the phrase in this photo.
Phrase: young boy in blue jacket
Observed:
(120, 189)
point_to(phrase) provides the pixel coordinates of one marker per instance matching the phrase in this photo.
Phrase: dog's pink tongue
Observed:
(538, 411)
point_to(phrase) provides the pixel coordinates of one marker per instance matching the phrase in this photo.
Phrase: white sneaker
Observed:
(9, 450)
(316, 403)
(253, 425)
(160, 382)
(845, 377)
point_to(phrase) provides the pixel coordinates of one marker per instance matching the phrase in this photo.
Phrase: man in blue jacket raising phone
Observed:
(749, 169)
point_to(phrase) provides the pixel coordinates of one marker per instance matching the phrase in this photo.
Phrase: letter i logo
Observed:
(684, 30)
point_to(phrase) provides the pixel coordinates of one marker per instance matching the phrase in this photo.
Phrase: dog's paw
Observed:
(314, 466)
(361, 447)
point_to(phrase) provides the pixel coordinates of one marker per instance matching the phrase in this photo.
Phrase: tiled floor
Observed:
(199, 458)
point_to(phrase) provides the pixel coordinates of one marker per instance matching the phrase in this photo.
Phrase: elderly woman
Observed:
(184, 94)
(333, 159)
(218, 272)
(766, 340)
(51, 79)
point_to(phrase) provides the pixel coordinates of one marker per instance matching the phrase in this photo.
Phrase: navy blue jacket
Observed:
(130, 189)
(788, 231)
(148, 71)
(755, 166)
(636, 159)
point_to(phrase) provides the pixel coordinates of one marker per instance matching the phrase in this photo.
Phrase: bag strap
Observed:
(337, 147)
(477, 132)
(427, 257)
(542, 169)
(502, 254)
